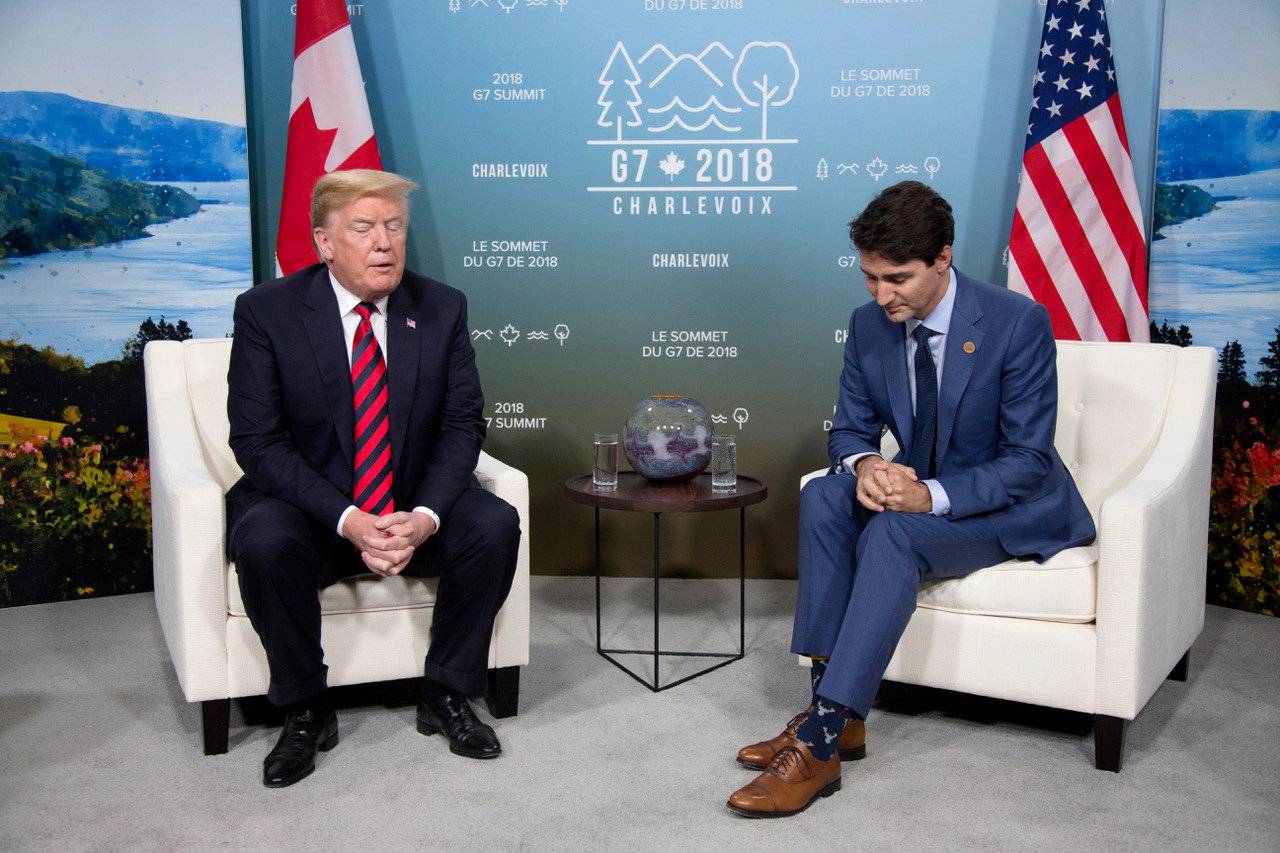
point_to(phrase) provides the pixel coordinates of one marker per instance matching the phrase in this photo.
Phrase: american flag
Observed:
(1077, 242)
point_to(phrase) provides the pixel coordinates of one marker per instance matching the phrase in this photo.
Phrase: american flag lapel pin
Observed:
(410, 322)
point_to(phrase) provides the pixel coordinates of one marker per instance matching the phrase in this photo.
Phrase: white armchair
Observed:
(1094, 629)
(373, 629)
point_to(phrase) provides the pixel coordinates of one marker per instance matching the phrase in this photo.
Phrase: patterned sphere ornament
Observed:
(668, 438)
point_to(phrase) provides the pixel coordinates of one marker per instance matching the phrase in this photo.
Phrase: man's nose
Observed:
(381, 238)
(884, 296)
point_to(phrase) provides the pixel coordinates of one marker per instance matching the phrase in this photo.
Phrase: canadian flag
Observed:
(329, 124)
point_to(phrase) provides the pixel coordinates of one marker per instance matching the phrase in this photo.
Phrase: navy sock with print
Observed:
(821, 729)
(815, 675)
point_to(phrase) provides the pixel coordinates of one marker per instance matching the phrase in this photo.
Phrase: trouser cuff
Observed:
(294, 692)
(463, 682)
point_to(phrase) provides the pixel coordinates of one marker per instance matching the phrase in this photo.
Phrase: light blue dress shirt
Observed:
(939, 321)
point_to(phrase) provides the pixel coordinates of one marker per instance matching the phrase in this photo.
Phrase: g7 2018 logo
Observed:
(689, 134)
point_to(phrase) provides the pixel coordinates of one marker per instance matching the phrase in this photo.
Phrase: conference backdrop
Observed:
(1215, 267)
(651, 196)
(124, 218)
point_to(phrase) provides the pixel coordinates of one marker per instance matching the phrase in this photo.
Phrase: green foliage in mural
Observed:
(48, 202)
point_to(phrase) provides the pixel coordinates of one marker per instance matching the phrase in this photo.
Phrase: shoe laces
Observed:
(785, 761)
(794, 725)
(298, 734)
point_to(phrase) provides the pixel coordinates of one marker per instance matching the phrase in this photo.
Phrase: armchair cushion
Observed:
(1061, 589)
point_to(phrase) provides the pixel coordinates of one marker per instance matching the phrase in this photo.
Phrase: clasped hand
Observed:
(386, 543)
(887, 485)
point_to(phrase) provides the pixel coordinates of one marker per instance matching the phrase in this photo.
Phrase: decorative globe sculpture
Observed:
(668, 438)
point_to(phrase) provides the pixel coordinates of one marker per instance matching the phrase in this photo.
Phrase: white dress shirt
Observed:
(938, 321)
(347, 302)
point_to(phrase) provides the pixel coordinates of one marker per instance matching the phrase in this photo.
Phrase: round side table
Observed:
(636, 494)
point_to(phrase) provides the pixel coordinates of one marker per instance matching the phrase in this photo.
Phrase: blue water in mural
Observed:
(1220, 273)
(87, 302)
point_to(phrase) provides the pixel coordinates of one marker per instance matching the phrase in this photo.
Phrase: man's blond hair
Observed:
(336, 190)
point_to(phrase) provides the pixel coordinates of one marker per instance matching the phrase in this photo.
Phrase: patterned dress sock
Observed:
(821, 729)
(815, 675)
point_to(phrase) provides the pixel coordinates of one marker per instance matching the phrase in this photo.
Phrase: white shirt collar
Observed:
(347, 301)
(939, 319)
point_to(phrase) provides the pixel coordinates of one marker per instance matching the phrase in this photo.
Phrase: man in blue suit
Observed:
(964, 375)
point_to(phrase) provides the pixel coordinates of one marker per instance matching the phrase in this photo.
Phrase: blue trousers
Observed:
(859, 571)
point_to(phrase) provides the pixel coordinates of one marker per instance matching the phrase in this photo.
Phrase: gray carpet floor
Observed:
(99, 751)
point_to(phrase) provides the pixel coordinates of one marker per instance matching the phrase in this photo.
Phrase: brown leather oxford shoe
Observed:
(794, 780)
(851, 747)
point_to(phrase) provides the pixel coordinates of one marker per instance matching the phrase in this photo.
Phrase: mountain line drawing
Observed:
(673, 61)
(762, 76)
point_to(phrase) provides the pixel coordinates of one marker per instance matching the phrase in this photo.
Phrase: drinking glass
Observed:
(604, 460)
(724, 463)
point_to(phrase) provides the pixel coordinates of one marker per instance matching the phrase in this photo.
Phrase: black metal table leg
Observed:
(742, 581)
(656, 652)
(657, 576)
(597, 579)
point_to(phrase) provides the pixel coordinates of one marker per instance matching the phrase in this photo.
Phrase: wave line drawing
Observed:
(676, 60)
(677, 101)
(694, 128)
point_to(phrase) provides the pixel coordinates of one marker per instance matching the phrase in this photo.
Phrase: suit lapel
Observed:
(892, 351)
(403, 359)
(328, 344)
(958, 365)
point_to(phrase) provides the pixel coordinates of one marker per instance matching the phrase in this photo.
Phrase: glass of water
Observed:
(724, 463)
(604, 460)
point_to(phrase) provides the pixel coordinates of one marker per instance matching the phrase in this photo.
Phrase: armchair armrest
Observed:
(1153, 537)
(187, 521)
(510, 646)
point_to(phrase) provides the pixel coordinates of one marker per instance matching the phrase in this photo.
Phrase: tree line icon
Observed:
(510, 335)
(507, 6)
(876, 168)
(716, 88)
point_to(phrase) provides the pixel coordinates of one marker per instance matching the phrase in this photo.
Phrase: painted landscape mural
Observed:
(1215, 271)
(119, 225)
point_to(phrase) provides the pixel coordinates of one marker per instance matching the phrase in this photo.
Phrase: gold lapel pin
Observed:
(969, 347)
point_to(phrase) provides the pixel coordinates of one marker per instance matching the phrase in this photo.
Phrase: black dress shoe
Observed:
(451, 713)
(294, 755)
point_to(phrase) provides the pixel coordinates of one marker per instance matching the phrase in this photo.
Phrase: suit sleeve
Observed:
(1027, 421)
(453, 456)
(856, 426)
(260, 437)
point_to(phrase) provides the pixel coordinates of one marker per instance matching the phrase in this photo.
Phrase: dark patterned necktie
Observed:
(925, 433)
(372, 419)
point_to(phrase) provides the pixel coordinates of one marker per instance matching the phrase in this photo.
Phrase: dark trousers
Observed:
(859, 571)
(283, 558)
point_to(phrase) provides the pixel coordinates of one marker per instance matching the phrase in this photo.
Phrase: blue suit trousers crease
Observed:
(859, 573)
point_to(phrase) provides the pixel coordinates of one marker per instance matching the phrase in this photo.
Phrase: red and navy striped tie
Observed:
(372, 417)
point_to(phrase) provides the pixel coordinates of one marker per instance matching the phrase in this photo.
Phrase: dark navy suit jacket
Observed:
(997, 411)
(290, 399)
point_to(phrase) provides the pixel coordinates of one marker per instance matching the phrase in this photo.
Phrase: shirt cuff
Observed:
(342, 519)
(852, 459)
(431, 513)
(941, 503)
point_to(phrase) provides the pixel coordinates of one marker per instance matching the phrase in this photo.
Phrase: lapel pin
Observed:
(413, 324)
(969, 347)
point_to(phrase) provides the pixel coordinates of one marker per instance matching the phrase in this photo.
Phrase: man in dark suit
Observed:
(356, 415)
(964, 375)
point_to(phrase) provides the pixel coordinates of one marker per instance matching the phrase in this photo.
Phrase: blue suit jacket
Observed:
(290, 397)
(997, 411)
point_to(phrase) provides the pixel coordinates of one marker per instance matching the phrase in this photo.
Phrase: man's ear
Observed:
(322, 244)
(943, 261)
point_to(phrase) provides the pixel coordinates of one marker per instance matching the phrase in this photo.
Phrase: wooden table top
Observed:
(636, 494)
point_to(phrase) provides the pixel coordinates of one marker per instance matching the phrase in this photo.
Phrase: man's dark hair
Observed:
(906, 222)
